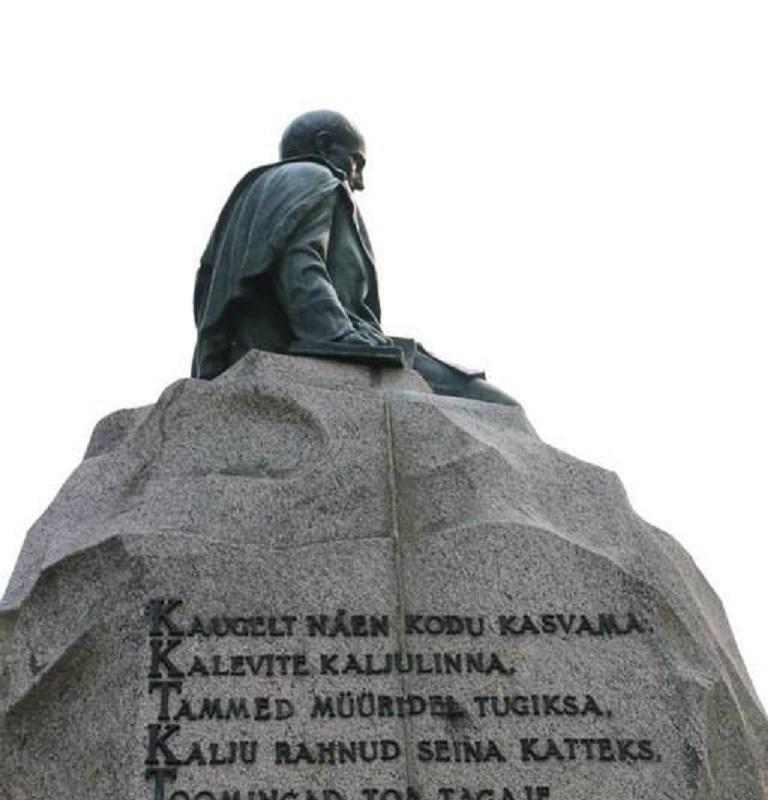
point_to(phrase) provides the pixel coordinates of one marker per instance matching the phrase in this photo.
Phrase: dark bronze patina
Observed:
(289, 267)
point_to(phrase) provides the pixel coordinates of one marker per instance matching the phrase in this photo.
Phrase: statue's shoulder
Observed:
(303, 175)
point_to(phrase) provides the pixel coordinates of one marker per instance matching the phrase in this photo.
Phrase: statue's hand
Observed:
(365, 337)
(373, 333)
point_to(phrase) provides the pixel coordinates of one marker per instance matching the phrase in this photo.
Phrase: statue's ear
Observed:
(323, 140)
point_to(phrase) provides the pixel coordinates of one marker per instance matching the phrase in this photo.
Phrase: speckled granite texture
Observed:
(315, 581)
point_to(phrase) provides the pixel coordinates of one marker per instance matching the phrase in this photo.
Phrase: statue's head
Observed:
(330, 135)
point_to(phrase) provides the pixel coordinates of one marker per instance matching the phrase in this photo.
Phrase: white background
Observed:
(572, 195)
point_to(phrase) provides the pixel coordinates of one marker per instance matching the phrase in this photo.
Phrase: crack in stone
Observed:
(398, 568)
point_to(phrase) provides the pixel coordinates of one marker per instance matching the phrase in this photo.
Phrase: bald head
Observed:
(299, 137)
(331, 136)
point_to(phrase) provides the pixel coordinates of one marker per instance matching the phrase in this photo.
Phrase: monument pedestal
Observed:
(315, 581)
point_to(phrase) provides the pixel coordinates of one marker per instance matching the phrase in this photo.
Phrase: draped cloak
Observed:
(264, 211)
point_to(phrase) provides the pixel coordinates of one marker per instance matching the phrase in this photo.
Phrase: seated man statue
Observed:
(289, 267)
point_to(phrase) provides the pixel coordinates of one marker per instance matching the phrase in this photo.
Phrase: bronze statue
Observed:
(289, 267)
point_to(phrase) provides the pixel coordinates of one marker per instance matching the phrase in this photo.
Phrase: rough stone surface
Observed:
(516, 631)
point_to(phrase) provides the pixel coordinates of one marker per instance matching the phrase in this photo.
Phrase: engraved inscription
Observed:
(271, 694)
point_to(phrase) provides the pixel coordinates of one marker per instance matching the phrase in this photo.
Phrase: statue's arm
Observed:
(303, 285)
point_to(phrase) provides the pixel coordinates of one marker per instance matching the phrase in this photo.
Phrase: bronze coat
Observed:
(289, 259)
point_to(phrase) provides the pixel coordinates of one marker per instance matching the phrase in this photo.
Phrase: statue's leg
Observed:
(480, 389)
(450, 381)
